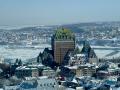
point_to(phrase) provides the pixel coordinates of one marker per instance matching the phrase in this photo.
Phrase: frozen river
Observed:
(21, 53)
(32, 52)
(106, 51)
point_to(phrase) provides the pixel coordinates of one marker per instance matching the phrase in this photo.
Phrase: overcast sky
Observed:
(48, 12)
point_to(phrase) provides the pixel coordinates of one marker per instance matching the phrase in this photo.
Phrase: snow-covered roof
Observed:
(24, 68)
(72, 67)
(80, 55)
(74, 81)
(69, 89)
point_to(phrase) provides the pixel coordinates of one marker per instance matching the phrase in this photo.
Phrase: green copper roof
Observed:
(64, 34)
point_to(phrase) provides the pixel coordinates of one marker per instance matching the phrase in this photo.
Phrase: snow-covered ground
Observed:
(106, 51)
(28, 52)
(21, 53)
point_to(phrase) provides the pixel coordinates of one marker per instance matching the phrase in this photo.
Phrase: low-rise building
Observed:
(40, 83)
(77, 59)
(47, 84)
(48, 72)
(24, 71)
(102, 74)
(10, 87)
(86, 70)
(83, 69)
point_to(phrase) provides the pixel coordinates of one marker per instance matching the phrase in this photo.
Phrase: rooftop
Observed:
(63, 34)
(25, 68)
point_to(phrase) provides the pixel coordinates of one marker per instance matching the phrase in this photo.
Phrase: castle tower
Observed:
(63, 41)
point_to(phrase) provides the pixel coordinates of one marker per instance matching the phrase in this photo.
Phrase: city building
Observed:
(63, 41)
(86, 70)
(77, 59)
(48, 84)
(48, 72)
(83, 69)
(40, 83)
(90, 55)
(10, 87)
(24, 71)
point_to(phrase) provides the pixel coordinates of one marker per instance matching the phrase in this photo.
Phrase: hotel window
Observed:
(41, 85)
(50, 83)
